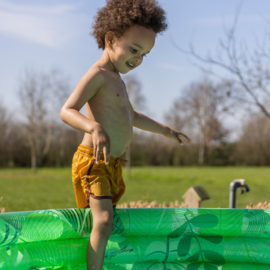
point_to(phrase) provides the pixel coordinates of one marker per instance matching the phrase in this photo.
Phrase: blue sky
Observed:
(55, 34)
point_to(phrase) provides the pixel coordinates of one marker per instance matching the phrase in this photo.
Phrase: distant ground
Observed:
(52, 188)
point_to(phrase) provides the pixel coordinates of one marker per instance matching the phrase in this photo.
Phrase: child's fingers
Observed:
(94, 151)
(106, 153)
(185, 138)
(179, 140)
(97, 156)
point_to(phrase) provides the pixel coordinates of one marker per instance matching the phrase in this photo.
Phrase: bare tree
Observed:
(5, 119)
(250, 70)
(40, 95)
(138, 102)
(199, 109)
(254, 143)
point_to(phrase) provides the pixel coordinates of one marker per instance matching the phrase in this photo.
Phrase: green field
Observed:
(52, 188)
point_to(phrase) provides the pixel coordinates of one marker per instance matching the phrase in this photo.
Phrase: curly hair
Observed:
(119, 15)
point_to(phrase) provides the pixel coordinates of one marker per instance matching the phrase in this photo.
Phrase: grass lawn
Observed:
(52, 188)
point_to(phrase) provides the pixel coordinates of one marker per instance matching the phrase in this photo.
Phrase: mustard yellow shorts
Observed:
(99, 181)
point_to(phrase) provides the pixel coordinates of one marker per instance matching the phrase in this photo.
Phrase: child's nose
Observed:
(138, 59)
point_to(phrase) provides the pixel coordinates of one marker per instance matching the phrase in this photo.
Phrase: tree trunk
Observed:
(201, 150)
(202, 122)
(33, 154)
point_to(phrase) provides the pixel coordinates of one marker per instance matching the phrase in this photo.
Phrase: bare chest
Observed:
(113, 93)
(110, 101)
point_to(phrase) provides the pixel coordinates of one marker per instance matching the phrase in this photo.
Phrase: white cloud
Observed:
(47, 25)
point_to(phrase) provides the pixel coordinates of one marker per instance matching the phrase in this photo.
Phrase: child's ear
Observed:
(109, 39)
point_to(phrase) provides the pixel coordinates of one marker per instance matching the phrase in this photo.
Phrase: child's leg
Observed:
(102, 211)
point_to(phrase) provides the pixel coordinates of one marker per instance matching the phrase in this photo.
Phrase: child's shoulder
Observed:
(95, 74)
(99, 74)
(90, 83)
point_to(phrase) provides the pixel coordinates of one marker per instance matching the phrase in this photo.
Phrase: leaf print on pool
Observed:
(211, 259)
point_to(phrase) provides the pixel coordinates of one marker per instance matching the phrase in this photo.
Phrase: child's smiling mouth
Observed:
(130, 65)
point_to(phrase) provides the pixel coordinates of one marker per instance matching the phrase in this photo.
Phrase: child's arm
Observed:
(145, 123)
(84, 91)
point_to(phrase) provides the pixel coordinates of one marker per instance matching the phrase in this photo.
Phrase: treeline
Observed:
(252, 148)
(41, 139)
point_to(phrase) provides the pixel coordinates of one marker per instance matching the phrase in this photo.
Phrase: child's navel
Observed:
(118, 95)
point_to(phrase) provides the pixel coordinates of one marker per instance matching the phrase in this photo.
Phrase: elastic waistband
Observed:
(85, 150)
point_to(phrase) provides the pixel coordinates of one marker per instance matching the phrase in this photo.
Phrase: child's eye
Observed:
(134, 50)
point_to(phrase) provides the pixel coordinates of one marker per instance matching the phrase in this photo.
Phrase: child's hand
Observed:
(101, 141)
(177, 136)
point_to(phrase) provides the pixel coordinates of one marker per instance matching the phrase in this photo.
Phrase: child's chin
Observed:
(124, 72)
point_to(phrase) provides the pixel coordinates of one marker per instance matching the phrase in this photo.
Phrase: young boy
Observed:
(126, 31)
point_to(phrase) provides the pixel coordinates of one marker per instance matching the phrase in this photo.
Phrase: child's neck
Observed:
(106, 62)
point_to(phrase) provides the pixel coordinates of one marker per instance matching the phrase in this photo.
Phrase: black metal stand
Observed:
(233, 186)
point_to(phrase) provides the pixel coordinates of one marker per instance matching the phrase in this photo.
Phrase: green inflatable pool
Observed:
(142, 239)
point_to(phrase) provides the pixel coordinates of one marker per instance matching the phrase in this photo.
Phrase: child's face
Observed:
(128, 51)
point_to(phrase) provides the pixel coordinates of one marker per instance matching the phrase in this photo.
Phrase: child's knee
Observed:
(104, 222)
